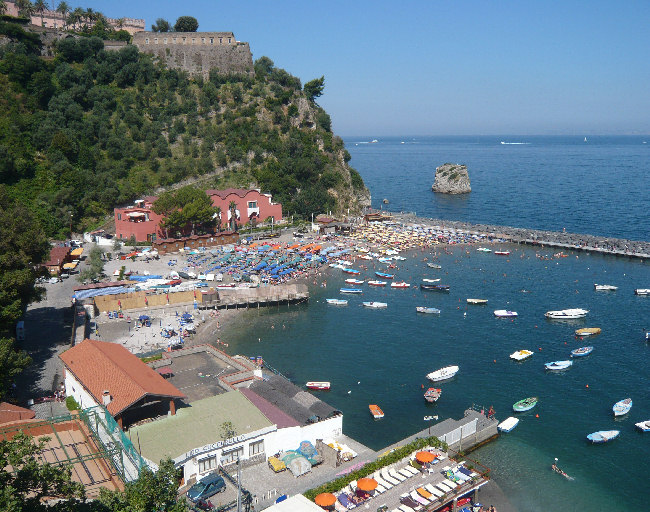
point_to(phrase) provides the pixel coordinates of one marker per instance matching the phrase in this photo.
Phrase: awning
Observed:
(70, 266)
(77, 252)
(135, 214)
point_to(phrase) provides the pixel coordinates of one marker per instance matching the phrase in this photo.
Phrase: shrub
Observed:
(71, 404)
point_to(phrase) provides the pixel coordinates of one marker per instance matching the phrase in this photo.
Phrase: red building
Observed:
(141, 222)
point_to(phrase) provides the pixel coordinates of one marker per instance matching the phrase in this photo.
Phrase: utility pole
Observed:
(238, 484)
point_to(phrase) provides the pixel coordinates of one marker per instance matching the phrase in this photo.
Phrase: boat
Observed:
(432, 394)
(351, 271)
(582, 351)
(479, 302)
(642, 291)
(502, 253)
(647, 335)
(521, 355)
(558, 366)
(377, 283)
(400, 284)
(588, 331)
(605, 287)
(508, 424)
(431, 280)
(433, 265)
(376, 411)
(354, 281)
(399, 258)
(384, 275)
(322, 385)
(364, 257)
(351, 290)
(526, 404)
(424, 309)
(443, 373)
(643, 426)
(435, 287)
(337, 302)
(566, 314)
(376, 305)
(603, 436)
(560, 472)
(504, 313)
(429, 418)
(484, 249)
(622, 407)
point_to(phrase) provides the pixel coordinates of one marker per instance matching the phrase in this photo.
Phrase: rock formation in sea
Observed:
(452, 179)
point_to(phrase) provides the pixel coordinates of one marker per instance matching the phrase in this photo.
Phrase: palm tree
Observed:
(76, 16)
(25, 8)
(3, 6)
(233, 215)
(40, 7)
(63, 9)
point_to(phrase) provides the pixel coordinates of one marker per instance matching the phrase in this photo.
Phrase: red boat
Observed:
(432, 394)
(322, 385)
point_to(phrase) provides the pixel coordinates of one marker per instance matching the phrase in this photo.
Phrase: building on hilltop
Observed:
(54, 19)
(197, 52)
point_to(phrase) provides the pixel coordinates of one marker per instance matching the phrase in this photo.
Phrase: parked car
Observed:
(53, 280)
(208, 486)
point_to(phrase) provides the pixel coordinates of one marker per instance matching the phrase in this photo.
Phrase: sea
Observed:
(597, 187)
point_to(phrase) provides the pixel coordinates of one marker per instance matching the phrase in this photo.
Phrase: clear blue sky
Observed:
(437, 67)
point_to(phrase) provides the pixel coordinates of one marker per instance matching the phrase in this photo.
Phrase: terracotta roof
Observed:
(101, 365)
(10, 412)
(225, 193)
(57, 255)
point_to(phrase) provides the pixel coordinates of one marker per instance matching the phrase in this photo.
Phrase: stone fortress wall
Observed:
(197, 52)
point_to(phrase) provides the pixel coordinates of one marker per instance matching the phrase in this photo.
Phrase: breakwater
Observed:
(552, 239)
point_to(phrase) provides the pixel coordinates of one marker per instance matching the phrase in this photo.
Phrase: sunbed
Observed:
(411, 470)
(405, 499)
(396, 475)
(436, 492)
(383, 483)
(405, 473)
(450, 483)
(443, 487)
(416, 497)
(405, 508)
(388, 478)
(345, 501)
(424, 493)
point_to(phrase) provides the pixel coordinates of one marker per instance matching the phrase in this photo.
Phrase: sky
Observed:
(446, 67)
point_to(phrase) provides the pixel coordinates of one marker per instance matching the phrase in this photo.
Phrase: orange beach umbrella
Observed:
(326, 499)
(367, 484)
(424, 457)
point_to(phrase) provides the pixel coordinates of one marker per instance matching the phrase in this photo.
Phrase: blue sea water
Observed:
(382, 356)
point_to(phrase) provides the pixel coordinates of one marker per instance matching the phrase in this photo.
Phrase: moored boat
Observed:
(582, 351)
(643, 426)
(424, 309)
(432, 394)
(588, 331)
(400, 284)
(376, 305)
(435, 287)
(622, 407)
(434, 265)
(443, 373)
(642, 291)
(477, 301)
(351, 290)
(384, 275)
(354, 281)
(320, 385)
(376, 411)
(337, 302)
(558, 366)
(431, 280)
(603, 436)
(605, 288)
(484, 249)
(508, 424)
(566, 314)
(502, 253)
(521, 355)
(526, 404)
(504, 313)
(351, 271)
(377, 283)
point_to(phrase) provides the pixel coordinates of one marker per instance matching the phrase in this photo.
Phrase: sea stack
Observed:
(452, 179)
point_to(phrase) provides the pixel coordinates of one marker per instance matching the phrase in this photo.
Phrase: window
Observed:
(203, 40)
(232, 455)
(212, 40)
(220, 40)
(255, 448)
(229, 40)
(207, 464)
(119, 216)
(165, 41)
(155, 40)
(252, 204)
(194, 40)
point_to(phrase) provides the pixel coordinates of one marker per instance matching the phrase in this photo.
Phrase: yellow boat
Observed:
(588, 331)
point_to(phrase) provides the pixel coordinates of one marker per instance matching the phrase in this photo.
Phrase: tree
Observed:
(63, 9)
(263, 67)
(314, 88)
(96, 266)
(187, 206)
(3, 6)
(161, 25)
(151, 491)
(25, 479)
(186, 24)
(40, 7)
(233, 215)
(228, 430)
(25, 8)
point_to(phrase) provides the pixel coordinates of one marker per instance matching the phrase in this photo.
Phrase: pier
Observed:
(247, 298)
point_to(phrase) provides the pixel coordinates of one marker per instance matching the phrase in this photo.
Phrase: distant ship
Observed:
(585, 139)
(374, 141)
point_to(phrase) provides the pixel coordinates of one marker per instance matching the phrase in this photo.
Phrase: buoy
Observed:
(494, 360)
(540, 349)
(349, 392)
(536, 415)
(422, 386)
(587, 386)
(565, 342)
(535, 327)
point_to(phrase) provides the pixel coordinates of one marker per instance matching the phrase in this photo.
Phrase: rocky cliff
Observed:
(452, 179)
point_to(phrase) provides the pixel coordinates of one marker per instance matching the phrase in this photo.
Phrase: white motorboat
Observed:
(376, 305)
(423, 309)
(504, 313)
(337, 302)
(643, 426)
(605, 287)
(377, 283)
(477, 301)
(430, 280)
(443, 373)
(521, 355)
(502, 253)
(508, 424)
(622, 407)
(354, 281)
(484, 249)
(434, 265)
(401, 284)
(566, 314)
(642, 291)
(558, 366)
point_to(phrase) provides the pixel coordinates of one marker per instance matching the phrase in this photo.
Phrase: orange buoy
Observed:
(536, 415)
(494, 360)
(540, 349)
(422, 386)
(587, 386)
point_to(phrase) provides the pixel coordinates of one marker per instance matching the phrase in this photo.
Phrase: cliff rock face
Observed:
(452, 179)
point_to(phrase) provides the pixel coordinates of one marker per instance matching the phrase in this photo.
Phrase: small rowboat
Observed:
(603, 436)
(520, 355)
(622, 407)
(351, 271)
(431, 280)
(605, 287)
(364, 257)
(351, 290)
(502, 253)
(354, 281)
(376, 411)
(566, 314)
(433, 265)
(401, 284)
(443, 373)
(337, 302)
(477, 301)
(435, 287)
(643, 426)
(322, 385)
(588, 331)
(432, 394)
(376, 305)
(525, 405)
(431, 311)
(508, 424)
(558, 366)
(504, 313)
(377, 283)
(384, 275)
(582, 351)
(484, 249)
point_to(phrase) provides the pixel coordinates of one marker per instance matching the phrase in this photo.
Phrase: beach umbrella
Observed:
(424, 457)
(367, 484)
(325, 499)
(143, 317)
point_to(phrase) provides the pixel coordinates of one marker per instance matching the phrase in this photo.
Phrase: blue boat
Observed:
(603, 436)
(351, 271)
(384, 275)
(351, 290)
(582, 351)
(622, 407)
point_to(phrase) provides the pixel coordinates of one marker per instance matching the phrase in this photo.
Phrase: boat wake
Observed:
(515, 143)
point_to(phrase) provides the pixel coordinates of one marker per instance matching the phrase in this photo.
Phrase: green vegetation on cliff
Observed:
(91, 129)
